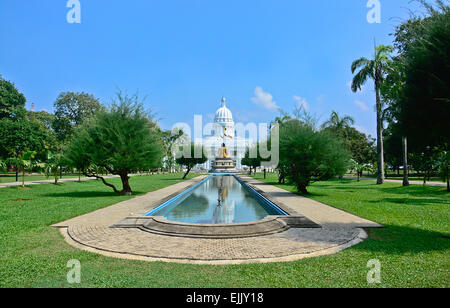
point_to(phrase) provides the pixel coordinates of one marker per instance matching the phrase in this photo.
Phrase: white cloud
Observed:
(301, 102)
(264, 99)
(361, 105)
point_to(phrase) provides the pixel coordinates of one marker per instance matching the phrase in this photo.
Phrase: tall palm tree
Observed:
(338, 124)
(374, 69)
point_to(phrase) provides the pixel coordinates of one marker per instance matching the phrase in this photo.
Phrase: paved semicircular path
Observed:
(93, 232)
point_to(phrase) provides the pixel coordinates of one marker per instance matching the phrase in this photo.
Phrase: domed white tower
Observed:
(224, 133)
(224, 118)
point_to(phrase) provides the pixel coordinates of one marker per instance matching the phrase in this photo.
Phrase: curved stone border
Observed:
(133, 244)
(266, 226)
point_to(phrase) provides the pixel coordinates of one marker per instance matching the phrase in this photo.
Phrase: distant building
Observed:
(224, 132)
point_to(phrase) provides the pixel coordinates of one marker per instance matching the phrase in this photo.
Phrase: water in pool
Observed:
(218, 200)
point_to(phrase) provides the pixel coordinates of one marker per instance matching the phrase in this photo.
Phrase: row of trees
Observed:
(412, 99)
(309, 153)
(82, 135)
(412, 94)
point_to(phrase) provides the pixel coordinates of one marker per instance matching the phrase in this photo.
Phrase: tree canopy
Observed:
(191, 160)
(424, 107)
(309, 156)
(17, 137)
(12, 102)
(121, 139)
(71, 110)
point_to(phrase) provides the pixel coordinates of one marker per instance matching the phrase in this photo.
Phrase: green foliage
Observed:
(362, 147)
(195, 157)
(121, 139)
(252, 158)
(52, 165)
(17, 137)
(443, 166)
(375, 69)
(3, 167)
(308, 155)
(393, 147)
(12, 102)
(424, 107)
(43, 117)
(22, 162)
(170, 138)
(71, 110)
(338, 124)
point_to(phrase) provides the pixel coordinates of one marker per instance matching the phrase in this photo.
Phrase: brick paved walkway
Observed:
(339, 230)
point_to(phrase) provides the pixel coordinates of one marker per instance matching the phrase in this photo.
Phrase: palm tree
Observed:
(376, 70)
(338, 124)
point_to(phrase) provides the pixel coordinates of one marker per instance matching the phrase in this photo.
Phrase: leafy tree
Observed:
(376, 70)
(361, 147)
(12, 102)
(17, 137)
(22, 162)
(443, 164)
(358, 167)
(71, 110)
(424, 106)
(338, 124)
(170, 138)
(121, 139)
(309, 155)
(3, 167)
(47, 119)
(52, 165)
(252, 158)
(393, 147)
(426, 162)
(190, 161)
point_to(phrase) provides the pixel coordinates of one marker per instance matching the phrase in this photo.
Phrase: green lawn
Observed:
(10, 178)
(395, 176)
(414, 248)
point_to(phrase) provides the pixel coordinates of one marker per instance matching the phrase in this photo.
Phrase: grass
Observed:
(395, 176)
(10, 178)
(413, 248)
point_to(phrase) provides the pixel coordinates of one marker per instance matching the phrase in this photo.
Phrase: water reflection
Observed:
(219, 200)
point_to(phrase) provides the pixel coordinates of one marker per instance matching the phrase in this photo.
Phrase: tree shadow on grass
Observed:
(418, 190)
(399, 240)
(88, 194)
(411, 201)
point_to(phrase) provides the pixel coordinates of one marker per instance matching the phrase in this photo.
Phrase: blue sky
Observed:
(185, 55)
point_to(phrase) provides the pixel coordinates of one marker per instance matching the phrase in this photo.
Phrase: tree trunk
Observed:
(302, 188)
(187, 172)
(448, 176)
(265, 175)
(380, 150)
(23, 178)
(405, 161)
(17, 174)
(126, 188)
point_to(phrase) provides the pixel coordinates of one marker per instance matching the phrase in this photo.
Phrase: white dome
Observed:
(223, 114)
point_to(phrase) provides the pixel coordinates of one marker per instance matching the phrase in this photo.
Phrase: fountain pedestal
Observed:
(223, 163)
